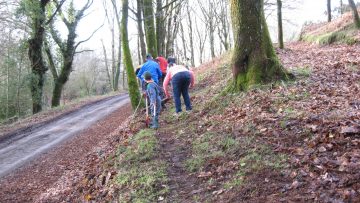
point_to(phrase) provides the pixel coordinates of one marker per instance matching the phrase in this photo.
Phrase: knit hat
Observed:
(171, 60)
(148, 56)
(147, 75)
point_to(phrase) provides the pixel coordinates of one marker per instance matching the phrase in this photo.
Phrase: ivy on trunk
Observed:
(37, 15)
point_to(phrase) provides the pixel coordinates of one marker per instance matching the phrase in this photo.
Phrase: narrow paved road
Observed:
(23, 147)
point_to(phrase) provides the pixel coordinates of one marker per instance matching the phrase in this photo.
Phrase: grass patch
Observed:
(302, 72)
(236, 181)
(141, 176)
(208, 146)
(256, 159)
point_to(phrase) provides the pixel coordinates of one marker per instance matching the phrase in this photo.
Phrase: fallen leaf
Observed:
(218, 192)
(349, 130)
(88, 197)
(322, 149)
(263, 130)
(204, 174)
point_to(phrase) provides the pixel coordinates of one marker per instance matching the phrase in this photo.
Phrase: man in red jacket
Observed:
(163, 67)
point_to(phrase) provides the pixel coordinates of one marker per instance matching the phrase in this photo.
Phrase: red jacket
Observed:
(163, 64)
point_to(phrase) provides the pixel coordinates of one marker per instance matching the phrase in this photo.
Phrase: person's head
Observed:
(147, 76)
(171, 61)
(148, 57)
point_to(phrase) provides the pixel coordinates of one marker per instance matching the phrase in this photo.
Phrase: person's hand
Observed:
(144, 94)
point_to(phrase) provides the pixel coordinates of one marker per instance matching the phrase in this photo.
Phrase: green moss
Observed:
(343, 36)
(134, 92)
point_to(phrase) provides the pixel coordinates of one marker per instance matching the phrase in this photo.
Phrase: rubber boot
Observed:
(155, 123)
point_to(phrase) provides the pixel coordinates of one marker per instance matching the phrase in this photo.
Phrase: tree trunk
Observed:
(160, 27)
(212, 38)
(118, 60)
(113, 60)
(173, 29)
(67, 53)
(132, 83)
(355, 13)
(182, 35)
(106, 65)
(202, 39)
(35, 55)
(168, 34)
(67, 49)
(341, 7)
(117, 69)
(329, 10)
(7, 86)
(190, 26)
(150, 28)
(140, 30)
(254, 60)
(280, 27)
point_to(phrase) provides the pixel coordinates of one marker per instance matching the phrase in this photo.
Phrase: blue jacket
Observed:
(152, 67)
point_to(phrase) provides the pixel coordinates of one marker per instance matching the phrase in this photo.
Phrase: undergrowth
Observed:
(141, 175)
(344, 36)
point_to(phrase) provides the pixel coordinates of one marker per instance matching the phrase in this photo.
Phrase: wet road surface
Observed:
(23, 147)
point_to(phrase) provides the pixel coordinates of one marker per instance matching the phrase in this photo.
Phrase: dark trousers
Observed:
(180, 83)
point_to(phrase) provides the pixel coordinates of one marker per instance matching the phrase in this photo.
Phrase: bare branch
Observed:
(58, 7)
(87, 39)
(82, 51)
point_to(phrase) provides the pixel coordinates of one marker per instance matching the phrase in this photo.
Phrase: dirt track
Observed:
(48, 152)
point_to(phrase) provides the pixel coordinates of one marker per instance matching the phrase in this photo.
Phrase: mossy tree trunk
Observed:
(280, 27)
(149, 25)
(132, 83)
(355, 13)
(38, 67)
(254, 60)
(329, 10)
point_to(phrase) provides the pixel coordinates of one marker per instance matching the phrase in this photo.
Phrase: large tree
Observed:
(132, 83)
(36, 12)
(150, 27)
(67, 47)
(254, 60)
(355, 13)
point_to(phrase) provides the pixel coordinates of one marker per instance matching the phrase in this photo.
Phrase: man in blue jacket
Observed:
(152, 67)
